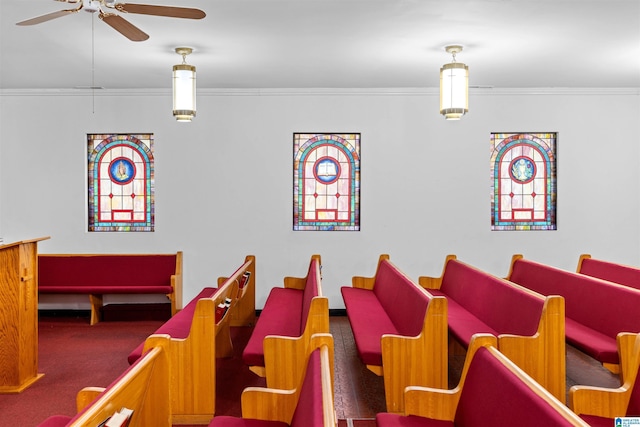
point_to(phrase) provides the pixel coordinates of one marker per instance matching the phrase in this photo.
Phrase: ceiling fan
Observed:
(116, 21)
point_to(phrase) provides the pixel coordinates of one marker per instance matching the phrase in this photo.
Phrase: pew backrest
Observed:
(611, 271)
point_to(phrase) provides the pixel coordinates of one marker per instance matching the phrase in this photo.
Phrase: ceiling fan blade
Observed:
(48, 16)
(124, 27)
(170, 11)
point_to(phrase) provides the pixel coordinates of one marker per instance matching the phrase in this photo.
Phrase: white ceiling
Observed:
(330, 44)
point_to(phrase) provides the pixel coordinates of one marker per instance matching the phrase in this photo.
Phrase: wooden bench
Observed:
(493, 391)
(611, 271)
(291, 315)
(529, 327)
(193, 339)
(599, 406)
(179, 326)
(143, 387)
(400, 330)
(596, 311)
(100, 274)
(309, 404)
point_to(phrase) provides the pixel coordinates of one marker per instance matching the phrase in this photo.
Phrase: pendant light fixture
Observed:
(184, 87)
(454, 87)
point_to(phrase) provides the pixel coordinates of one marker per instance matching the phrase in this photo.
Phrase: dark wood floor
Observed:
(359, 393)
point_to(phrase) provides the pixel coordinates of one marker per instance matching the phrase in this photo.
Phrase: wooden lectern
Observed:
(19, 315)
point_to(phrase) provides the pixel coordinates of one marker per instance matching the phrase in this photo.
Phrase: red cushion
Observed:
(591, 342)
(281, 315)
(385, 419)
(105, 271)
(501, 307)
(617, 273)
(492, 395)
(595, 421)
(55, 421)
(402, 300)
(368, 322)
(179, 325)
(227, 421)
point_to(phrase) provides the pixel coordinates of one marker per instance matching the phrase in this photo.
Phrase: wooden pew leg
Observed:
(375, 369)
(258, 370)
(614, 368)
(96, 307)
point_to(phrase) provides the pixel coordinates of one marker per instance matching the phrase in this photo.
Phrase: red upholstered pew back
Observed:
(617, 273)
(95, 273)
(502, 306)
(405, 307)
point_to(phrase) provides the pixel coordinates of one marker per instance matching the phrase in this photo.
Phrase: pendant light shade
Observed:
(184, 88)
(454, 87)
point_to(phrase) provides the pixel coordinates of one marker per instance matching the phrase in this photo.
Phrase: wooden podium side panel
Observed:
(18, 316)
(9, 318)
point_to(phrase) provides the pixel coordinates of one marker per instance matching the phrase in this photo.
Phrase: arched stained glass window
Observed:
(121, 188)
(326, 182)
(523, 176)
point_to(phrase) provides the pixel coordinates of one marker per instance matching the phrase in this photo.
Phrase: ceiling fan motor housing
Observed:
(91, 6)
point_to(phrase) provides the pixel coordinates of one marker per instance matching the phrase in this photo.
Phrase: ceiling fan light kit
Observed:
(184, 87)
(454, 86)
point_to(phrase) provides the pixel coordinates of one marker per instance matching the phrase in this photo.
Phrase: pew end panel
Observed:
(192, 360)
(543, 355)
(143, 387)
(420, 360)
(441, 403)
(284, 357)
(512, 398)
(297, 407)
(611, 402)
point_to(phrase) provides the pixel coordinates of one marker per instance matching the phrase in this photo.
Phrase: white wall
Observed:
(224, 182)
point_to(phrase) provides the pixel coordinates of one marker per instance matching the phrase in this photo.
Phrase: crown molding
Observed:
(205, 92)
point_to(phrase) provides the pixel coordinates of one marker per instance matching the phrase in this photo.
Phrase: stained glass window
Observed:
(523, 176)
(326, 181)
(121, 182)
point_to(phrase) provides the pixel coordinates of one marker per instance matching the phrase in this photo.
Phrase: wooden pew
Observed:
(596, 310)
(529, 327)
(192, 357)
(600, 406)
(143, 387)
(309, 404)
(291, 315)
(400, 330)
(493, 391)
(100, 274)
